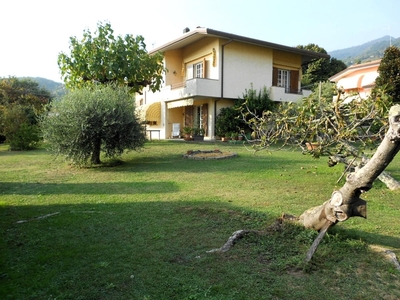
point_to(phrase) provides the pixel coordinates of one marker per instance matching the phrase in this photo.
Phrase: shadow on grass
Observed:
(370, 238)
(158, 249)
(108, 188)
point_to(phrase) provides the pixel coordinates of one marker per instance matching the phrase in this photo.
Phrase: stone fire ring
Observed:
(208, 154)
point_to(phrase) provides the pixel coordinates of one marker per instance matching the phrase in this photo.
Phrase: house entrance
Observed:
(196, 116)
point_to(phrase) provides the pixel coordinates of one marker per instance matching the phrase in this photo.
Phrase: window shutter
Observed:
(274, 76)
(188, 115)
(189, 71)
(294, 81)
(205, 118)
(204, 68)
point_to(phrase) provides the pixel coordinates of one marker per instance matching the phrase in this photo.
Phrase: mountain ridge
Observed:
(57, 89)
(371, 50)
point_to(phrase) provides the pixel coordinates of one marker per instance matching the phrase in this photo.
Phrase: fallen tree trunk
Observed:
(391, 183)
(346, 202)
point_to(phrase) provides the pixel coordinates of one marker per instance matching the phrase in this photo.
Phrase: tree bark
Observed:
(391, 183)
(95, 159)
(346, 202)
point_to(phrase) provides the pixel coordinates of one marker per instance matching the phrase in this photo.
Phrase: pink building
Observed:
(357, 80)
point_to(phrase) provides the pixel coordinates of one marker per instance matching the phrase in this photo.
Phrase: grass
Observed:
(141, 229)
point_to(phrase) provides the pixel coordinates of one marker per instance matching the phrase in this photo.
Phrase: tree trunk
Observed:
(384, 177)
(346, 202)
(95, 159)
(391, 183)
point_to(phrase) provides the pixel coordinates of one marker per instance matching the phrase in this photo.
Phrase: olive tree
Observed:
(104, 58)
(93, 119)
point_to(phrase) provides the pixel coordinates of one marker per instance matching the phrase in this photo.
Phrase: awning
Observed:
(369, 79)
(350, 83)
(179, 103)
(151, 112)
(358, 81)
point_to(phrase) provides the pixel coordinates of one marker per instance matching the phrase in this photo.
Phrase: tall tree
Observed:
(389, 73)
(104, 58)
(319, 70)
(23, 92)
(93, 119)
(21, 100)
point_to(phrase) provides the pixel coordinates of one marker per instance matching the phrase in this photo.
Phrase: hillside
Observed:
(369, 51)
(56, 88)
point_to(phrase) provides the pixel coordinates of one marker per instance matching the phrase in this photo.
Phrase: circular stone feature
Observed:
(208, 154)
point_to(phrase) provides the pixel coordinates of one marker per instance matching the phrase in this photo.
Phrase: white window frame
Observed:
(284, 79)
(198, 70)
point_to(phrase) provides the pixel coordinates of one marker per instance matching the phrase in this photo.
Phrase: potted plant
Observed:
(226, 137)
(198, 134)
(187, 131)
(234, 135)
(312, 146)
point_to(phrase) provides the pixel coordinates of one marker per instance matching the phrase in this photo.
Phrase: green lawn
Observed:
(142, 229)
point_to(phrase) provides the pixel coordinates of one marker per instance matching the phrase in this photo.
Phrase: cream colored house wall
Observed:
(246, 64)
(173, 63)
(286, 60)
(207, 49)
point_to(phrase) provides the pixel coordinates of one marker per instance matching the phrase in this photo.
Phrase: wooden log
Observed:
(346, 202)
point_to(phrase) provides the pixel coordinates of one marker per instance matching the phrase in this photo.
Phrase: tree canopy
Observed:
(325, 117)
(104, 58)
(14, 91)
(93, 119)
(21, 100)
(389, 73)
(319, 70)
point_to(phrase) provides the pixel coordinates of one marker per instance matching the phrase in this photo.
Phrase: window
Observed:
(198, 70)
(284, 79)
(288, 79)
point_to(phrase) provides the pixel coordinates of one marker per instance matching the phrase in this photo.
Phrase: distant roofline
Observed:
(202, 31)
(354, 67)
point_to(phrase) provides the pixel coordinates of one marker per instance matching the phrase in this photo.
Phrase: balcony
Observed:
(196, 87)
(280, 94)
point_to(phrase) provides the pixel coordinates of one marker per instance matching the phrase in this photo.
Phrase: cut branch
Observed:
(238, 234)
(318, 240)
(38, 218)
(393, 258)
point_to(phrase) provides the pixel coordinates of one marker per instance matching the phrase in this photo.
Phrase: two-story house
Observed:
(208, 69)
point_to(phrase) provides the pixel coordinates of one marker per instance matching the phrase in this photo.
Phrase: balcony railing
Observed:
(282, 94)
(202, 87)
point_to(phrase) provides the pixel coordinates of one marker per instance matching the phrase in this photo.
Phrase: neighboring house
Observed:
(358, 80)
(209, 69)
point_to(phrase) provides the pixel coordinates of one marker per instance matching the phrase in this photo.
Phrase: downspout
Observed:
(222, 83)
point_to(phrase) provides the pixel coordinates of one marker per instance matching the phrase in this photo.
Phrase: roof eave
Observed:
(307, 55)
(354, 68)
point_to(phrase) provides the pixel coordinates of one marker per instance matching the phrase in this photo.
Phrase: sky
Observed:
(34, 32)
